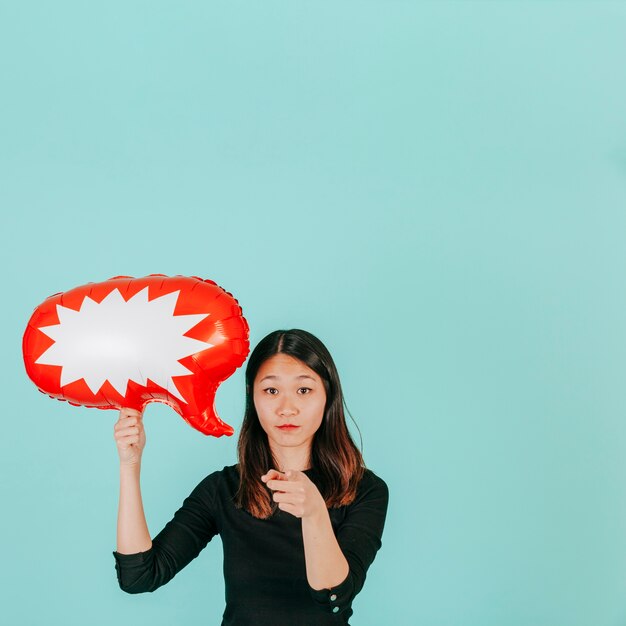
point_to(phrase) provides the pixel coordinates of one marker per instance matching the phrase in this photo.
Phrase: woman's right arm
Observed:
(132, 530)
(143, 564)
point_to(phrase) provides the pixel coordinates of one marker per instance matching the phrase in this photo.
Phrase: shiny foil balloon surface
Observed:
(129, 341)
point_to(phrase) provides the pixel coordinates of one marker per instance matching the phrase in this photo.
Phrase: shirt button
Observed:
(336, 609)
(333, 597)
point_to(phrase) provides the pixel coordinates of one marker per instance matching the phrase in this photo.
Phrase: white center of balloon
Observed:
(119, 341)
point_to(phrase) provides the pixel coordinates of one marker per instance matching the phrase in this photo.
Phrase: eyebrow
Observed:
(271, 376)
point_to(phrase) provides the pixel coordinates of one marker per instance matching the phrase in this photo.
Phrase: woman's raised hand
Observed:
(130, 436)
(295, 493)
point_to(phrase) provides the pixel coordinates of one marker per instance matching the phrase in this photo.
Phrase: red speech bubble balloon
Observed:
(129, 341)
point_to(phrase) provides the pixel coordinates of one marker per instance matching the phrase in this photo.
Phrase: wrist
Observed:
(130, 468)
(318, 517)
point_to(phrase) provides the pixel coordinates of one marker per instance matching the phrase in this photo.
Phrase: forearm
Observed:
(132, 530)
(326, 565)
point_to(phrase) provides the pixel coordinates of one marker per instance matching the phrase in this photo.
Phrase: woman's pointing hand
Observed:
(295, 493)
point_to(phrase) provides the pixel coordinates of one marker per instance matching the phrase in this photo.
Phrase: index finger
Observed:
(128, 417)
(272, 475)
(283, 485)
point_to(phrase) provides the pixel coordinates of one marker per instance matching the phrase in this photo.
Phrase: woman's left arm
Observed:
(295, 493)
(335, 564)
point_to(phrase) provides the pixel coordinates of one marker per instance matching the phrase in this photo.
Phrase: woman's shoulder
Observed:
(370, 475)
(372, 486)
(226, 471)
(371, 479)
(227, 478)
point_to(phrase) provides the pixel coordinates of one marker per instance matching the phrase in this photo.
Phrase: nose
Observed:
(287, 408)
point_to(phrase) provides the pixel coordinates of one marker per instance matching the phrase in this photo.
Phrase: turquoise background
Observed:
(436, 189)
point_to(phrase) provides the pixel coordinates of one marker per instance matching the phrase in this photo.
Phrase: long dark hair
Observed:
(334, 455)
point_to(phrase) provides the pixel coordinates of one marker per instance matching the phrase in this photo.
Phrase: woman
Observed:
(300, 517)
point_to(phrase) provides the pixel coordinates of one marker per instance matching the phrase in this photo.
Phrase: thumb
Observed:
(292, 475)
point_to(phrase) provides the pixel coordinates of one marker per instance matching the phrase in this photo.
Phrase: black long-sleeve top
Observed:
(264, 565)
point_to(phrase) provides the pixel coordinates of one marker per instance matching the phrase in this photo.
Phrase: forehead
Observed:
(283, 366)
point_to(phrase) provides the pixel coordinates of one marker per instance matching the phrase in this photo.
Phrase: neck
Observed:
(297, 459)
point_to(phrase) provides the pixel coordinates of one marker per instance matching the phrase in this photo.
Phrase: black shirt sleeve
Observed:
(180, 541)
(359, 537)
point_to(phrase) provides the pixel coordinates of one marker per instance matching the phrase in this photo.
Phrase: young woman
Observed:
(300, 517)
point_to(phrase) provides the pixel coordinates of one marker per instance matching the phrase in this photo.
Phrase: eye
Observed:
(305, 390)
(272, 391)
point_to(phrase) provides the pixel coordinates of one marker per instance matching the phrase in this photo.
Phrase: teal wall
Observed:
(436, 189)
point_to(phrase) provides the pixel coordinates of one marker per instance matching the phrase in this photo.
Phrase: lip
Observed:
(288, 427)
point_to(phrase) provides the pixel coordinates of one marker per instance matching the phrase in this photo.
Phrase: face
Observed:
(289, 398)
